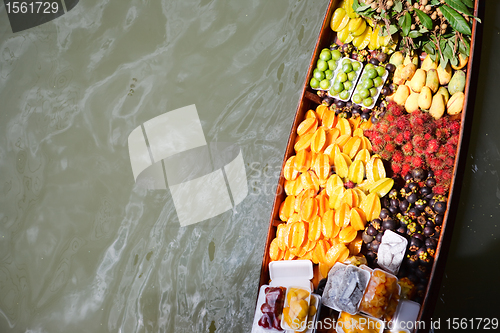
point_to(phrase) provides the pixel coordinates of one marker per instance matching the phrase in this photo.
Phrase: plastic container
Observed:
(391, 251)
(406, 316)
(381, 287)
(284, 274)
(379, 89)
(351, 290)
(338, 71)
(331, 80)
(304, 320)
(335, 276)
(258, 313)
(358, 323)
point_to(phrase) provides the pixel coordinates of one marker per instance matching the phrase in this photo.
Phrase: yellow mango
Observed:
(456, 103)
(425, 98)
(444, 74)
(411, 103)
(418, 80)
(428, 63)
(438, 106)
(402, 94)
(432, 80)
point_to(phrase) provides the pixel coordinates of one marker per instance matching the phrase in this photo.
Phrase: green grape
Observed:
(319, 75)
(381, 71)
(372, 73)
(368, 101)
(364, 93)
(342, 77)
(324, 84)
(344, 94)
(356, 66)
(332, 91)
(369, 66)
(373, 91)
(314, 83)
(338, 87)
(377, 82)
(367, 84)
(322, 65)
(336, 55)
(328, 74)
(325, 55)
(347, 85)
(356, 98)
(332, 64)
(346, 68)
(346, 61)
(351, 76)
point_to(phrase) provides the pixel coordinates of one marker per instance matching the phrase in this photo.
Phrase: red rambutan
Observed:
(402, 123)
(449, 161)
(405, 169)
(451, 149)
(398, 156)
(383, 127)
(442, 134)
(407, 148)
(435, 163)
(432, 146)
(455, 127)
(407, 135)
(390, 118)
(390, 147)
(408, 159)
(377, 140)
(439, 189)
(376, 148)
(438, 173)
(417, 162)
(385, 155)
(395, 109)
(419, 142)
(427, 137)
(399, 140)
(453, 140)
(387, 138)
(396, 168)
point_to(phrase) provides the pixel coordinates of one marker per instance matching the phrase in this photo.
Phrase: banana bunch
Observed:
(351, 28)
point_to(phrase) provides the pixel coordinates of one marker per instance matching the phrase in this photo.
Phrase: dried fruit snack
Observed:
(378, 293)
(296, 309)
(272, 308)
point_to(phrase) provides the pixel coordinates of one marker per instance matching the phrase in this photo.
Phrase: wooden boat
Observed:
(310, 100)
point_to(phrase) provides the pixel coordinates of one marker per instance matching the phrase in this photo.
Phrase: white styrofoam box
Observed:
(286, 273)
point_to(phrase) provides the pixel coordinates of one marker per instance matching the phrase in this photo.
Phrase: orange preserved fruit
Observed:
(275, 252)
(358, 219)
(320, 110)
(309, 209)
(304, 142)
(302, 161)
(336, 253)
(371, 206)
(344, 126)
(289, 171)
(329, 119)
(328, 227)
(343, 216)
(318, 140)
(287, 208)
(347, 235)
(308, 125)
(355, 245)
(336, 196)
(314, 229)
(356, 172)
(323, 204)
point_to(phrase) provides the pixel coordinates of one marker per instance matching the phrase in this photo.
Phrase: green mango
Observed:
(457, 83)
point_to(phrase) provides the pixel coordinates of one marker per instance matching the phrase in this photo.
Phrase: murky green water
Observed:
(85, 249)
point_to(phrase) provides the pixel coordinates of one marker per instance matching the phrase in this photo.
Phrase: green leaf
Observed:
(393, 29)
(454, 61)
(435, 2)
(405, 24)
(424, 18)
(469, 3)
(458, 6)
(434, 56)
(464, 47)
(363, 8)
(456, 20)
(398, 6)
(423, 30)
(448, 51)
(429, 49)
(414, 34)
(355, 5)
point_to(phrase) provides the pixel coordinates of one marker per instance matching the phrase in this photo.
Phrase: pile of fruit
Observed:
(377, 156)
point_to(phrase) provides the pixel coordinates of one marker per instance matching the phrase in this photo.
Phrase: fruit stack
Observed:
(430, 87)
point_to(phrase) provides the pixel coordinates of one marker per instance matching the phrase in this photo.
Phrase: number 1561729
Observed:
(38, 7)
